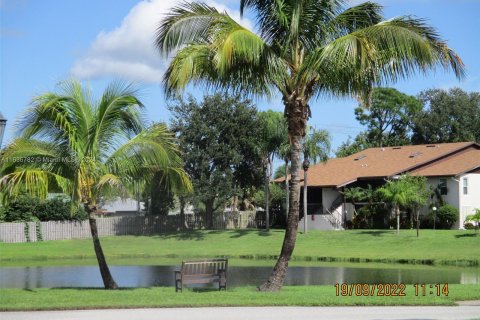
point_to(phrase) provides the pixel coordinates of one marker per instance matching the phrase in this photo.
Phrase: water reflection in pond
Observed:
(147, 276)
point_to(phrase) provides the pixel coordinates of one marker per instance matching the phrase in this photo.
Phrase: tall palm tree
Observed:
(87, 149)
(303, 49)
(316, 147)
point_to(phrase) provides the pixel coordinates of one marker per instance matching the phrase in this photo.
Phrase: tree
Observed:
(88, 149)
(316, 147)
(160, 197)
(405, 191)
(389, 121)
(218, 139)
(474, 218)
(419, 197)
(350, 146)
(447, 116)
(274, 133)
(389, 117)
(304, 49)
(358, 194)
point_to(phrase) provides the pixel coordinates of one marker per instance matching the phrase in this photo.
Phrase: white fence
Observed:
(115, 226)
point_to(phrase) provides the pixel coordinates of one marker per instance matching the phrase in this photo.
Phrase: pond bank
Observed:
(433, 247)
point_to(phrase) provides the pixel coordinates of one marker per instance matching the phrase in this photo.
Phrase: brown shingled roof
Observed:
(428, 160)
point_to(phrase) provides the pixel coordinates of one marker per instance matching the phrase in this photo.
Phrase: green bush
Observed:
(23, 208)
(469, 226)
(446, 216)
(27, 208)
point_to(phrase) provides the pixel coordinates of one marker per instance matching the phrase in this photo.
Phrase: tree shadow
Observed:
(196, 235)
(376, 233)
(97, 288)
(237, 233)
(466, 235)
(200, 290)
(264, 233)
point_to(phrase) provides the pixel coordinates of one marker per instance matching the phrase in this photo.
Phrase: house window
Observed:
(465, 185)
(442, 186)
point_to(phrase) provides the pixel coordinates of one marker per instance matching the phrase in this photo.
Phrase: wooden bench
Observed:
(202, 271)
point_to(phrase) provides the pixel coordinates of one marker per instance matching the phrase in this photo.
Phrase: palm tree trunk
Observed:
(417, 215)
(107, 278)
(397, 212)
(305, 203)
(287, 203)
(297, 121)
(267, 199)
(183, 222)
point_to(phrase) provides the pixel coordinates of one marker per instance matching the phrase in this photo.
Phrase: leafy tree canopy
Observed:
(447, 116)
(434, 116)
(218, 138)
(388, 121)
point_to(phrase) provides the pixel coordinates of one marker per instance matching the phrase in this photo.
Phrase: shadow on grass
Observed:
(97, 288)
(466, 235)
(184, 235)
(376, 233)
(237, 233)
(264, 233)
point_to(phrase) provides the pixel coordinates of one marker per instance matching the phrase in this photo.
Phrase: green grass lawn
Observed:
(432, 247)
(53, 299)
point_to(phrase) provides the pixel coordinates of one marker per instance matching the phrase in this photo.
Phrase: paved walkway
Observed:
(258, 313)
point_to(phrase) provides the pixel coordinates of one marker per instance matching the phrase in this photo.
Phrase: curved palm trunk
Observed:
(296, 130)
(107, 278)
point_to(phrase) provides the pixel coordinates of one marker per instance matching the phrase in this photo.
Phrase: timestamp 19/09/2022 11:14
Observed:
(389, 289)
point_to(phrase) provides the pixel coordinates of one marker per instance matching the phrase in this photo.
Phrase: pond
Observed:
(148, 276)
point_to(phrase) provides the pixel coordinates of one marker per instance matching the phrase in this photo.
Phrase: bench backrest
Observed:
(204, 267)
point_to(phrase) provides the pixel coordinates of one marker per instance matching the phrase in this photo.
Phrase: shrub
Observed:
(469, 226)
(446, 216)
(26, 208)
(22, 208)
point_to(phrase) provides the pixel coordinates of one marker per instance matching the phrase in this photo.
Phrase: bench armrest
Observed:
(178, 275)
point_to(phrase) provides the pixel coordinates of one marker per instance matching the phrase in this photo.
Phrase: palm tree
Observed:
(407, 192)
(274, 133)
(88, 149)
(316, 146)
(303, 49)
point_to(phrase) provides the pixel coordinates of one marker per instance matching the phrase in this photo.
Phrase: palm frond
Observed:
(110, 185)
(31, 181)
(378, 55)
(186, 23)
(221, 53)
(118, 116)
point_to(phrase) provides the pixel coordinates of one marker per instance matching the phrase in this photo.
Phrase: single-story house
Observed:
(454, 167)
(119, 207)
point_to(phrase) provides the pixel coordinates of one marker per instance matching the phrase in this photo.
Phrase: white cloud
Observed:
(128, 52)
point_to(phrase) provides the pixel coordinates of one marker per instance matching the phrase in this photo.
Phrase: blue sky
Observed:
(44, 42)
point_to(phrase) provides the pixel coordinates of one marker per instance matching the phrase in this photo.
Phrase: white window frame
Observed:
(465, 186)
